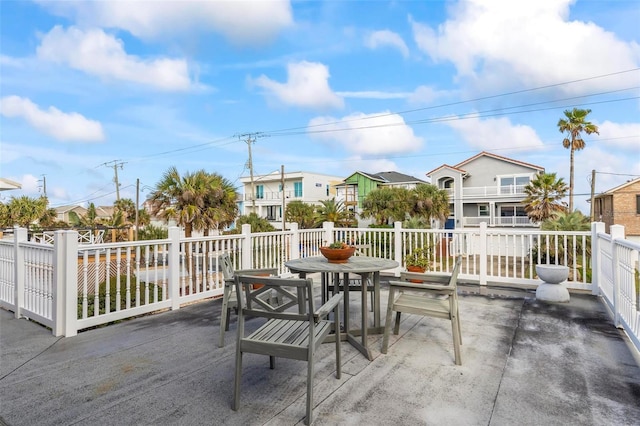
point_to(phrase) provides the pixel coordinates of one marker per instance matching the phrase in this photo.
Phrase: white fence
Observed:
(70, 286)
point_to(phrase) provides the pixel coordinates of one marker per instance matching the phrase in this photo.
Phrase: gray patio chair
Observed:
(294, 328)
(425, 298)
(229, 296)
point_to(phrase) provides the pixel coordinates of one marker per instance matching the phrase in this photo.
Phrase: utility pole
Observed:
(283, 196)
(44, 185)
(115, 164)
(593, 195)
(251, 138)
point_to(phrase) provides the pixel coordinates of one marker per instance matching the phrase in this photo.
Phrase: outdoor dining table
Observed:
(368, 268)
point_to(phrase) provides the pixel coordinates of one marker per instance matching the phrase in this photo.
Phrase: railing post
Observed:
(617, 232)
(174, 267)
(67, 289)
(596, 257)
(483, 253)
(327, 227)
(247, 252)
(20, 236)
(295, 241)
(397, 246)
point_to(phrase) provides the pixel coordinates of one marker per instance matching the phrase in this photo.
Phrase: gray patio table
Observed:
(366, 267)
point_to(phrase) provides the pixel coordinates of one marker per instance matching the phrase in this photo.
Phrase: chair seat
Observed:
(421, 305)
(287, 332)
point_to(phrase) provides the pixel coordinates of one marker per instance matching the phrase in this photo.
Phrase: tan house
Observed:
(620, 206)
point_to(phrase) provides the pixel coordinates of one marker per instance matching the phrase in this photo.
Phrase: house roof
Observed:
(395, 177)
(65, 209)
(8, 184)
(619, 187)
(388, 177)
(446, 166)
(497, 157)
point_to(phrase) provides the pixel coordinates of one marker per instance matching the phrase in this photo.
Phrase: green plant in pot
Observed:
(418, 260)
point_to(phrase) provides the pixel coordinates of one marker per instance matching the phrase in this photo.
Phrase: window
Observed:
(638, 204)
(297, 189)
(260, 192)
(513, 184)
(511, 211)
(327, 190)
(273, 213)
(483, 210)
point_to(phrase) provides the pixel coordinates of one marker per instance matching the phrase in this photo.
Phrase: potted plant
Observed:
(337, 252)
(418, 260)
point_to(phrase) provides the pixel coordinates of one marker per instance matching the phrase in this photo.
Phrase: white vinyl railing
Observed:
(70, 286)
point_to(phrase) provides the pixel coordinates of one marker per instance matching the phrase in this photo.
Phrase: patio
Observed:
(524, 362)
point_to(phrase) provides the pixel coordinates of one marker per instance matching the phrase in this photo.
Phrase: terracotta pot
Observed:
(413, 268)
(337, 255)
(257, 286)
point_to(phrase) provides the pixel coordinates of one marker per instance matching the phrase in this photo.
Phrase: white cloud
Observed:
(498, 42)
(53, 122)
(241, 22)
(383, 38)
(367, 134)
(621, 135)
(495, 133)
(425, 95)
(30, 184)
(373, 94)
(95, 52)
(307, 86)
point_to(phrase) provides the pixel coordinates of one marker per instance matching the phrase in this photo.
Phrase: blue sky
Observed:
(331, 87)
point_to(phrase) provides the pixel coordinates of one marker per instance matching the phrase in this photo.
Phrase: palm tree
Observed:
(24, 210)
(430, 202)
(221, 207)
(574, 124)
(384, 204)
(332, 211)
(544, 193)
(182, 198)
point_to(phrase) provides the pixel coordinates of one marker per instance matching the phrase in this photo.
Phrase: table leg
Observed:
(376, 299)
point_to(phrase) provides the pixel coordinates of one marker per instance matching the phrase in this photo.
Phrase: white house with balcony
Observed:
(267, 195)
(486, 188)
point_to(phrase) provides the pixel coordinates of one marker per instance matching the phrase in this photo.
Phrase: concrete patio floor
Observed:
(525, 362)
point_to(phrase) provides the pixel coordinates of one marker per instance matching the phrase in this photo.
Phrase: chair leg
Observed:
(224, 314)
(455, 328)
(310, 372)
(396, 328)
(387, 323)
(236, 385)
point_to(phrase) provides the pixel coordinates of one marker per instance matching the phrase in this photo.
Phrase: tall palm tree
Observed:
(544, 195)
(181, 198)
(430, 202)
(574, 124)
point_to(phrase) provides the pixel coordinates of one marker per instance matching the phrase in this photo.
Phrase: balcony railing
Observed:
(270, 196)
(507, 221)
(508, 191)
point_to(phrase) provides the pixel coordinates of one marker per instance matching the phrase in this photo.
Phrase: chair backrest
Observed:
(226, 266)
(456, 270)
(293, 292)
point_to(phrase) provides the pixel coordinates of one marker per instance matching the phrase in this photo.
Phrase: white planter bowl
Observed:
(552, 274)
